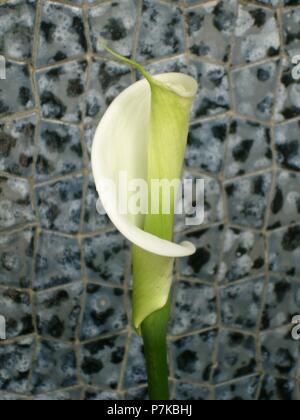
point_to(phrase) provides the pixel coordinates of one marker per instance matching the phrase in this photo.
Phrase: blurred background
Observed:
(65, 281)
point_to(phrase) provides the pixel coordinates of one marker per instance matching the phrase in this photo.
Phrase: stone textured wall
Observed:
(65, 272)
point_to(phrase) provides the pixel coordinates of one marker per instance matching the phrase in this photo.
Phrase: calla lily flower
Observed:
(143, 134)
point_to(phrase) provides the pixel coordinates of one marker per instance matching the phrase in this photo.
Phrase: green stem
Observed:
(154, 332)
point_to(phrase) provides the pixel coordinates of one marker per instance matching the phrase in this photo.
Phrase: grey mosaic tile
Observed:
(15, 364)
(192, 357)
(287, 145)
(247, 200)
(16, 252)
(162, 31)
(16, 89)
(213, 97)
(107, 80)
(205, 263)
(17, 18)
(254, 90)
(287, 104)
(137, 394)
(177, 65)
(59, 205)
(280, 353)
(17, 139)
(241, 304)
(249, 148)
(54, 367)
(101, 361)
(71, 395)
(59, 151)
(236, 356)
(61, 90)
(106, 257)
(284, 251)
(291, 31)
(16, 307)
(62, 33)
(210, 29)
(66, 254)
(58, 311)
(281, 302)
(135, 368)
(114, 22)
(291, 2)
(15, 206)
(241, 390)
(285, 205)
(256, 35)
(278, 389)
(243, 255)
(274, 3)
(206, 146)
(194, 308)
(104, 311)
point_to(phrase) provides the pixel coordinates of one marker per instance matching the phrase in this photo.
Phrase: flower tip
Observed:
(190, 248)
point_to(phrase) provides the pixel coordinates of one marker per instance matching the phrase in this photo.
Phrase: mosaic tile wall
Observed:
(65, 272)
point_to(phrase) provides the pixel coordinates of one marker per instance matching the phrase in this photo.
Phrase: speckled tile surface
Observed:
(65, 272)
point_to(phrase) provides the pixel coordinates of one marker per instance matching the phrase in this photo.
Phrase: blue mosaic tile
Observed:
(192, 393)
(254, 90)
(16, 307)
(285, 204)
(243, 255)
(16, 252)
(69, 395)
(106, 257)
(54, 367)
(278, 389)
(210, 29)
(256, 35)
(15, 206)
(287, 103)
(93, 221)
(247, 200)
(284, 251)
(291, 31)
(206, 146)
(17, 139)
(59, 151)
(107, 80)
(59, 205)
(194, 308)
(135, 368)
(104, 311)
(213, 97)
(162, 31)
(291, 2)
(249, 148)
(177, 65)
(287, 145)
(236, 356)
(241, 304)
(280, 353)
(61, 90)
(281, 302)
(17, 19)
(241, 390)
(58, 311)
(137, 394)
(101, 361)
(15, 364)
(66, 254)
(16, 89)
(95, 395)
(205, 263)
(62, 33)
(192, 357)
(114, 22)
